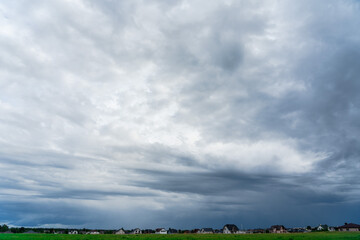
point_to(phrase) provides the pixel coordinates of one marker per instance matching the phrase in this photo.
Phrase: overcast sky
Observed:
(179, 114)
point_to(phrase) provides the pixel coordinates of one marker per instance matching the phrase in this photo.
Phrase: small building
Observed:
(349, 227)
(120, 231)
(206, 231)
(230, 229)
(136, 231)
(73, 232)
(322, 227)
(278, 229)
(172, 231)
(148, 231)
(332, 229)
(296, 230)
(160, 231)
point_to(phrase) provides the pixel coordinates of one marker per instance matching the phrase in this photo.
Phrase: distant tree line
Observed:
(5, 228)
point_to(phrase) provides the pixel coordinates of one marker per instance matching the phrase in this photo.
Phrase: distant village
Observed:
(227, 229)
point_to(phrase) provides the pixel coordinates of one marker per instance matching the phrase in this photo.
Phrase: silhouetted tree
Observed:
(4, 228)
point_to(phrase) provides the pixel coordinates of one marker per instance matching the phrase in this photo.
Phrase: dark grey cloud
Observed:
(121, 113)
(207, 183)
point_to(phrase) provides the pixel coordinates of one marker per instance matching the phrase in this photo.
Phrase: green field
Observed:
(297, 236)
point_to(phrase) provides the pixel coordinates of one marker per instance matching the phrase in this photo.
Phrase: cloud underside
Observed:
(179, 113)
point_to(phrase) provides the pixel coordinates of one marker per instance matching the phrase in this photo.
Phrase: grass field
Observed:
(297, 236)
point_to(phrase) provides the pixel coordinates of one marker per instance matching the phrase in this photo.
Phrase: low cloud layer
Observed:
(179, 113)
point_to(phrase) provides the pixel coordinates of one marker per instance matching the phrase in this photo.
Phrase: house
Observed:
(93, 232)
(230, 228)
(332, 229)
(148, 231)
(322, 227)
(218, 231)
(160, 231)
(296, 230)
(206, 231)
(349, 227)
(278, 229)
(172, 231)
(73, 232)
(120, 231)
(136, 231)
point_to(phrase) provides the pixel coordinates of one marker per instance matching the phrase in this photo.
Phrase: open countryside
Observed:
(289, 236)
(229, 231)
(179, 119)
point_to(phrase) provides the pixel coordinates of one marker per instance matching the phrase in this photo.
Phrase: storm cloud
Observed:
(179, 113)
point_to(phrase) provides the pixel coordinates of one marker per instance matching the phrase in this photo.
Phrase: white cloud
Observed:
(105, 100)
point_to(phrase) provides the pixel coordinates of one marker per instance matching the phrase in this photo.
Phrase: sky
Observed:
(179, 113)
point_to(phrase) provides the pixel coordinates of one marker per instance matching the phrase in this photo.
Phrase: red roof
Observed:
(350, 225)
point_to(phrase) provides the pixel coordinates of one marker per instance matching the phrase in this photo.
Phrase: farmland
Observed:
(297, 236)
